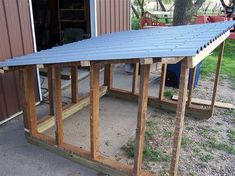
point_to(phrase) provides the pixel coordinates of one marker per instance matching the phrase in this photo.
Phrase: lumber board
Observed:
(141, 119)
(199, 101)
(135, 78)
(48, 121)
(163, 82)
(179, 121)
(74, 83)
(108, 75)
(50, 90)
(191, 89)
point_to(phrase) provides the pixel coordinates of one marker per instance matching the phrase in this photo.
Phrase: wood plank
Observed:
(57, 99)
(108, 75)
(180, 113)
(141, 119)
(135, 78)
(199, 101)
(74, 83)
(191, 89)
(192, 62)
(163, 82)
(29, 110)
(48, 121)
(50, 90)
(94, 110)
(218, 68)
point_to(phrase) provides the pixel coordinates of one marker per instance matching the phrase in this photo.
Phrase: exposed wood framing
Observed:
(28, 92)
(85, 63)
(218, 68)
(50, 90)
(180, 113)
(146, 61)
(192, 84)
(74, 83)
(163, 82)
(194, 61)
(57, 99)
(141, 119)
(108, 75)
(135, 78)
(48, 121)
(94, 110)
(170, 60)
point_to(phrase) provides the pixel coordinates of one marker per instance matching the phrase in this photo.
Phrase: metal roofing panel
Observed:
(173, 41)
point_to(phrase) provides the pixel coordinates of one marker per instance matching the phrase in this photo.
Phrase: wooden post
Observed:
(50, 89)
(94, 110)
(74, 83)
(28, 91)
(163, 82)
(220, 57)
(180, 112)
(57, 99)
(135, 78)
(192, 83)
(141, 119)
(108, 76)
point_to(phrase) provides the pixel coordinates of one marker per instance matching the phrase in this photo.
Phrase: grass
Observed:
(169, 93)
(231, 135)
(228, 63)
(206, 158)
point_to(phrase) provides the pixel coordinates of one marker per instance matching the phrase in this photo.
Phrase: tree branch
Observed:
(135, 12)
(197, 5)
(223, 4)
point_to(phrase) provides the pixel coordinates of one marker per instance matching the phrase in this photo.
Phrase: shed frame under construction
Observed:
(92, 158)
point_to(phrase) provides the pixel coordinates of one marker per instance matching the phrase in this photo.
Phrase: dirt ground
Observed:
(208, 146)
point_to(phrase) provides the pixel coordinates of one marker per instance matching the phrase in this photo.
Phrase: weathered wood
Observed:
(218, 68)
(94, 110)
(163, 82)
(50, 90)
(135, 78)
(141, 119)
(48, 121)
(171, 60)
(146, 61)
(28, 92)
(192, 83)
(194, 61)
(85, 63)
(180, 113)
(57, 99)
(203, 102)
(74, 83)
(108, 75)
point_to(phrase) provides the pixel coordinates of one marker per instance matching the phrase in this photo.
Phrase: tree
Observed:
(230, 6)
(184, 11)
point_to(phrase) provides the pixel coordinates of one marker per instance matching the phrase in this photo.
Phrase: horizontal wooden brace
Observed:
(171, 60)
(48, 121)
(194, 111)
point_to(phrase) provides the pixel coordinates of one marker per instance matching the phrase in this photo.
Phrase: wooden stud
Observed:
(218, 68)
(141, 119)
(57, 99)
(192, 84)
(85, 63)
(108, 75)
(50, 89)
(28, 92)
(94, 110)
(146, 61)
(74, 83)
(163, 82)
(180, 113)
(135, 78)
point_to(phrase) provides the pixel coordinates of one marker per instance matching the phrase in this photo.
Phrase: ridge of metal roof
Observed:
(175, 41)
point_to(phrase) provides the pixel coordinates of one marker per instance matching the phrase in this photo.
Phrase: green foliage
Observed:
(135, 23)
(169, 93)
(206, 158)
(231, 135)
(185, 141)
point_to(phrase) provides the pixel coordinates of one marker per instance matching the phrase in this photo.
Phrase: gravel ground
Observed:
(208, 146)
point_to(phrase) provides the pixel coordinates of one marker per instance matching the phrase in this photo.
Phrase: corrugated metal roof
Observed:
(174, 41)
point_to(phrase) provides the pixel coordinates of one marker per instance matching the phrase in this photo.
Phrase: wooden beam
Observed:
(85, 63)
(74, 83)
(192, 84)
(135, 78)
(57, 99)
(171, 60)
(218, 68)
(163, 82)
(180, 113)
(146, 61)
(94, 110)
(108, 75)
(48, 121)
(192, 62)
(28, 92)
(50, 90)
(141, 119)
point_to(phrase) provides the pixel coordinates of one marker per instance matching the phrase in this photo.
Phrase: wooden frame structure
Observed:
(93, 158)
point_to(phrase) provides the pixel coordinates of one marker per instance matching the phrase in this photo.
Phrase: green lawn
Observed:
(228, 63)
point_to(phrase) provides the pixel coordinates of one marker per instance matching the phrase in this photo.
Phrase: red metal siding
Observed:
(15, 40)
(112, 16)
